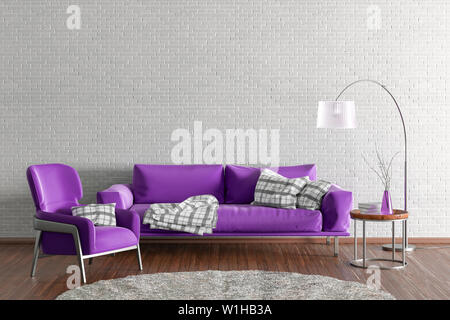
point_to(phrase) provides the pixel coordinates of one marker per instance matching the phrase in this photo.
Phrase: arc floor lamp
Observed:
(341, 114)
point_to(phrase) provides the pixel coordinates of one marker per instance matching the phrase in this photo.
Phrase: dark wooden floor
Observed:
(426, 277)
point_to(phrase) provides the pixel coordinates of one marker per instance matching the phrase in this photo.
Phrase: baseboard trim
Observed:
(342, 240)
(13, 240)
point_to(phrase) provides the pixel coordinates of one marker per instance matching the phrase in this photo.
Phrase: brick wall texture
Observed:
(110, 94)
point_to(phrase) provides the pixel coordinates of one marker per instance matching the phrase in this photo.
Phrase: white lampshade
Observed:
(336, 114)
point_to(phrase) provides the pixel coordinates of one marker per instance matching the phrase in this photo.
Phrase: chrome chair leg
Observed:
(37, 247)
(336, 246)
(81, 263)
(50, 226)
(77, 241)
(139, 256)
(328, 241)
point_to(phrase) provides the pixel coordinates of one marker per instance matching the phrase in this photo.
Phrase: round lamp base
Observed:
(359, 263)
(398, 247)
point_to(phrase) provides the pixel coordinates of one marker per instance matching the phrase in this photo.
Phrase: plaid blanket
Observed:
(197, 214)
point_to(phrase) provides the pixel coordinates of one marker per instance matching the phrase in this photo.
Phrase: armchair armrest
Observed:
(86, 229)
(120, 194)
(336, 206)
(129, 219)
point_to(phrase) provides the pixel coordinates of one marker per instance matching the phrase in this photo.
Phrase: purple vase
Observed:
(386, 204)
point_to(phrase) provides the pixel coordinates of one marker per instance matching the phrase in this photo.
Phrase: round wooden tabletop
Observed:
(397, 215)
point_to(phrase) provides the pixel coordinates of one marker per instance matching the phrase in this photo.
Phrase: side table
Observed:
(397, 215)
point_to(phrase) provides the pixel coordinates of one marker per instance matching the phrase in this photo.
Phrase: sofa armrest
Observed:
(336, 206)
(120, 194)
(129, 219)
(86, 229)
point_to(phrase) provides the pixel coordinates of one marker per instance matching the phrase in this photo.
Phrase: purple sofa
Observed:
(234, 187)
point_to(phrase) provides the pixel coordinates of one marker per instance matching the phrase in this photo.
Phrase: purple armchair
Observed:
(55, 188)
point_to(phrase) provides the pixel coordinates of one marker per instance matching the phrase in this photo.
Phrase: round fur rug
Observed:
(226, 285)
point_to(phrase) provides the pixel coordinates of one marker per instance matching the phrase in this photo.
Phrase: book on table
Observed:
(369, 207)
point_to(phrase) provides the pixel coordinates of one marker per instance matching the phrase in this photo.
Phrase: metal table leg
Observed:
(362, 263)
(355, 245)
(398, 246)
(393, 240)
(403, 243)
(364, 244)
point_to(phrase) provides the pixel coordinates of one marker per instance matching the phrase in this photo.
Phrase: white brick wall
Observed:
(107, 96)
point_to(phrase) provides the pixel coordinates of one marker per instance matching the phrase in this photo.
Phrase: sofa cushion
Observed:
(106, 239)
(113, 238)
(240, 182)
(176, 183)
(249, 218)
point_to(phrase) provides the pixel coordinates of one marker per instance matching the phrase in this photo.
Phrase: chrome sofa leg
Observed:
(138, 253)
(336, 246)
(37, 247)
(328, 241)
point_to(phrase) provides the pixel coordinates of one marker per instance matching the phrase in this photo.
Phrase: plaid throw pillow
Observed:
(274, 190)
(312, 195)
(99, 214)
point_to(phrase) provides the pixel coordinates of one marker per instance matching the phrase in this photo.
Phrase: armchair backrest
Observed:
(54, 186)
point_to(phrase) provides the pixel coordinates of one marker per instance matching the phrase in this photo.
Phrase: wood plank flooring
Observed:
(426, 277)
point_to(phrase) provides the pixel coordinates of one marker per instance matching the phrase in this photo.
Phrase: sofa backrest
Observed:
(240, 182)
(174, 183)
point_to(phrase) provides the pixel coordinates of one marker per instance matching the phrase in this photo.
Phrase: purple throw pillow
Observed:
(240, 182)
(176, 183)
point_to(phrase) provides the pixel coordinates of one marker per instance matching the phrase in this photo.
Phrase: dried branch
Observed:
(384, 169)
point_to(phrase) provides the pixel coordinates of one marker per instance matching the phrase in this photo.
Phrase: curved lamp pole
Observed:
(328, 120)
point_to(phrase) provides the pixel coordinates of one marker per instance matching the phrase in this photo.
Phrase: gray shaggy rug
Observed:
(226, 285)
